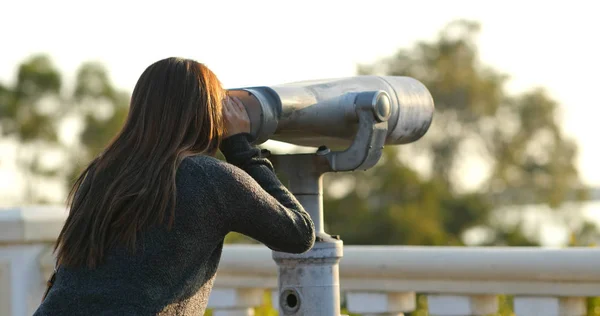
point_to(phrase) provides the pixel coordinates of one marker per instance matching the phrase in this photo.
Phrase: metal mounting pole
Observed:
(309, 283)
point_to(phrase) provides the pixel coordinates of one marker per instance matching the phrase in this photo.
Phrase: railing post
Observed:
(235, 301)
(275, 299)
(460, 305)
(26, 233)
(380, 303)
(549, 306)
(234, 312)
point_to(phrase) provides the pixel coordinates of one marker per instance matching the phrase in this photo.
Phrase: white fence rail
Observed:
(375, 280)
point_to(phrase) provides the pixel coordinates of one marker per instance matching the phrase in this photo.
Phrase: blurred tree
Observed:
(102, 108)
(519, 138)
(28, 113)
(34, 109)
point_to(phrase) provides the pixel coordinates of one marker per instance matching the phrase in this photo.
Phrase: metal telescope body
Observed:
(323, 112)
(350, 120)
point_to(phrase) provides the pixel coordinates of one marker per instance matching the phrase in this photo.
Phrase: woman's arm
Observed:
(257, 204)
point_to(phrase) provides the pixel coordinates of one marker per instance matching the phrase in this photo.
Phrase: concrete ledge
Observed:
(458, 270)
(439, 263)
(31, 224)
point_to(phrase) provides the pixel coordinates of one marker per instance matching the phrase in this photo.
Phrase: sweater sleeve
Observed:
(257, 204)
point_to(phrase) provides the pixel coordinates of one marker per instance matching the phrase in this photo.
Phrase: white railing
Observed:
(374, 280)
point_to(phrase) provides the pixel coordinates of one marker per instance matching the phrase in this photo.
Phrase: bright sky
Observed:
(539, 43)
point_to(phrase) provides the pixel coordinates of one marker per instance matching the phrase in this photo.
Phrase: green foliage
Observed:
(104, 107)
(22, 113)
(267, 308)
(29, 110)
(33, 110)
(237, 238)
(518, 137)
(593, 306)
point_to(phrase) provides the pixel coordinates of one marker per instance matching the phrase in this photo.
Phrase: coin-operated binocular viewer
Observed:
(349, 120)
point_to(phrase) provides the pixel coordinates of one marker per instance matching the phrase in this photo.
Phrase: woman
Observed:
(148, 216)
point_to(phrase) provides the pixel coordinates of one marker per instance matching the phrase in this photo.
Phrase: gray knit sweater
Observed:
(173, 272)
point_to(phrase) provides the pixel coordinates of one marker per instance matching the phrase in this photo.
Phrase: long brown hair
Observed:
(175, 112)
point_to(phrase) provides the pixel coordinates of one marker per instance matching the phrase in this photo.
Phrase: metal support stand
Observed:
(309, 283)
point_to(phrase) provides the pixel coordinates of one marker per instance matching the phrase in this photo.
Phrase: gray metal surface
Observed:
(309, 283)
(322, 112)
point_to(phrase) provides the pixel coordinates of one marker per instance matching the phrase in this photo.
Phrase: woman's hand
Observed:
(235, 116)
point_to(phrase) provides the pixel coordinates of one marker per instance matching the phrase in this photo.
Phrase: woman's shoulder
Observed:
(206, 165)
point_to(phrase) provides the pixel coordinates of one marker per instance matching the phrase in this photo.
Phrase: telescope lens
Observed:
(382, 107)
